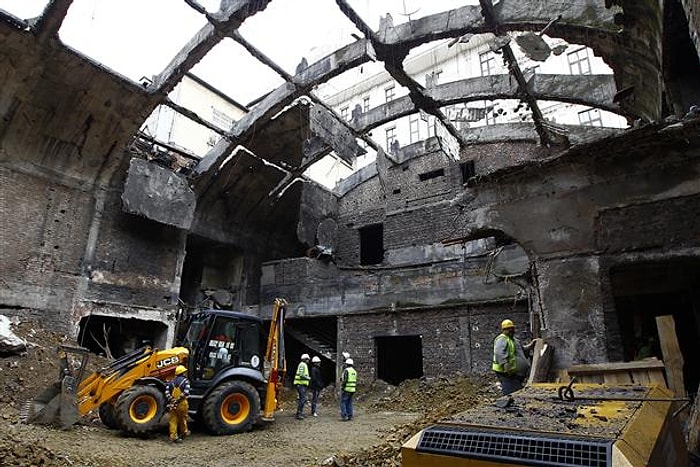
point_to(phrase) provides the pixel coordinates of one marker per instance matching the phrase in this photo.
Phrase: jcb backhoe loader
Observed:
(229, 375)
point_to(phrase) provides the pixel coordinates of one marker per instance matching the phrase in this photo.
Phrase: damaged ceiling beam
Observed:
(220, 24)
(393, 57)
(328, 67)
(547, 138)
(50, 21)
(303, 88)
(589, 90)
(575, 22)
(192, 115)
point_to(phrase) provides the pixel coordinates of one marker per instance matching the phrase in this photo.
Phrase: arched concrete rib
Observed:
(219, 26)
(576, 16)
(589, 90)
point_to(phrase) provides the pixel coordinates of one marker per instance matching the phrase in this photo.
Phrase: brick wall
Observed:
(457, 340)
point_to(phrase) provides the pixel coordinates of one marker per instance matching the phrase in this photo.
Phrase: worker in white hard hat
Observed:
(510, 363)
(348, 386)
(301, 382)
(316, 383)
(176, 392)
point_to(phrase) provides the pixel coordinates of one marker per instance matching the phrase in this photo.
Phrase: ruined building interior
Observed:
(581, 235)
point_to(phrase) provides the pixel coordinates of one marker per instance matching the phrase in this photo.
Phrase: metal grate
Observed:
(522, 448)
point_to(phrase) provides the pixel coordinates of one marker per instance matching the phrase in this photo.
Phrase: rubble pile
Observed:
(24, 376)
(19, 453)
(434, 398)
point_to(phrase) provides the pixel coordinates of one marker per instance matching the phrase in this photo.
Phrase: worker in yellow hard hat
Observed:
(176, 392)
(510, 363)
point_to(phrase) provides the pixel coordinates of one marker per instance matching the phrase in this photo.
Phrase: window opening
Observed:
(365, 104)
(390, 93)
(590, 117)
(414, 125)
(371, 244)
(579, 63)
(432, 174)
(467, 169)
(487, 60)
(390, 137)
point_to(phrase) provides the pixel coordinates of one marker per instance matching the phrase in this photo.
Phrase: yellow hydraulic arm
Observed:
(107, 383)
(275, 359)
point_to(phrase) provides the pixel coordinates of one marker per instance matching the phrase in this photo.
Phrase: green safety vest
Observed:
(510, 364)
(302, 375)
(351, 380)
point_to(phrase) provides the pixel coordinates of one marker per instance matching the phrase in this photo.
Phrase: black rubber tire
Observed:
(108, 416)
(139, 409)
(231, 408)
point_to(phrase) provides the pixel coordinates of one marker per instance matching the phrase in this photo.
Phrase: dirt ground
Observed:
(386, 416)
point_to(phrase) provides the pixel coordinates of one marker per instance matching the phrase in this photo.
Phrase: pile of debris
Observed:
(25, 374)
(434, 398)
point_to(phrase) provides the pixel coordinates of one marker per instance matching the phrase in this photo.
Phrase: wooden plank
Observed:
(657, 376)
(640, 377)
(596, 368)
(617, 378)
(541, 361)
(673, 358)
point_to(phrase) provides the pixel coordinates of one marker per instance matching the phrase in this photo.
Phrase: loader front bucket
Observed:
(57, 404)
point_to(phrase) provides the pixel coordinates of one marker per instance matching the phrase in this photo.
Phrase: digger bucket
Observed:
(57, 404)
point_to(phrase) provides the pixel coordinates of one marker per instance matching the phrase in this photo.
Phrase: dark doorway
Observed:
(643, 291)
(372, 244)
(399, 358)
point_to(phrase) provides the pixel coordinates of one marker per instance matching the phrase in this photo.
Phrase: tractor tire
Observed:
(231, 408)
(108, 416)
(139, 410)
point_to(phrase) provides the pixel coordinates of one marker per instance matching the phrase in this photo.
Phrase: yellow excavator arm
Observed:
(275, 359)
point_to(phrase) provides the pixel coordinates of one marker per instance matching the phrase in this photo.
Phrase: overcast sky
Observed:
(138, 38)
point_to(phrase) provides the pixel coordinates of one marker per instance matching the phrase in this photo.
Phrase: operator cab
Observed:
(220, 339)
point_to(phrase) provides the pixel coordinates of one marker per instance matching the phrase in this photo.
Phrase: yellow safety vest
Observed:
(351, 380)
(510, 346)
(302, 375)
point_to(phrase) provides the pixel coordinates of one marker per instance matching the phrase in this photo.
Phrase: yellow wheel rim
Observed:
(235, 409)
(143, 409)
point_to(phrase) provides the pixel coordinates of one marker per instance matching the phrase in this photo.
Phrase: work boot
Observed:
(300, 417)
(315, 414)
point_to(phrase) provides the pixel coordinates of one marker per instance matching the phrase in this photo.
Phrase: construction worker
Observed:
(301, 382)
(316, 383)
(176, 392)
(348, 385)
(509, 361)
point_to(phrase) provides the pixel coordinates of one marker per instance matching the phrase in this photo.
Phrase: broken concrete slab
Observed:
(158, 194)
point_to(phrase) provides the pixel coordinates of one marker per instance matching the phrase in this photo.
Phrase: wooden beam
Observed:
(671, 352)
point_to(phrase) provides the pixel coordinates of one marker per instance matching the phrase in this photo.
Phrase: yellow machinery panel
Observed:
(549, 425)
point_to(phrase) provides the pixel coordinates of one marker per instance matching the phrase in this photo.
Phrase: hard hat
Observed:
(507, 324)
(316, 360)
(349, 361)
(180, 369)
(304, 356)
(346, 355)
